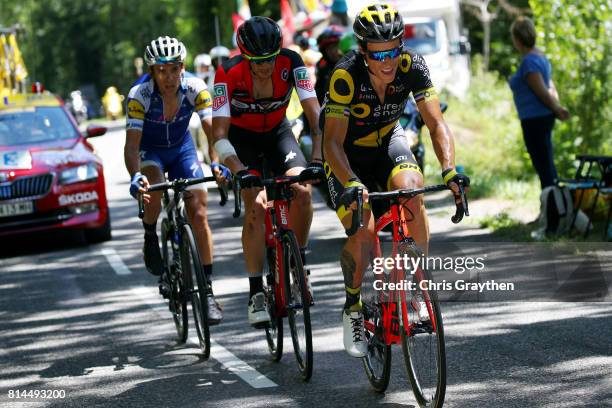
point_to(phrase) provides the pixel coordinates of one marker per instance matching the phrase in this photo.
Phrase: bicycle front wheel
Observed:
(178, 299)
(298, 304)
(274, 331)
(196, 284)
(423, 340)
(377, 362)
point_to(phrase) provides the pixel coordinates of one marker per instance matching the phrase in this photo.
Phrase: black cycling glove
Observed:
(452, 176)
(349, 195)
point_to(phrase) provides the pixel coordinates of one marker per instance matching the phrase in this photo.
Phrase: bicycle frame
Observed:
(392, 320)
(277, 221)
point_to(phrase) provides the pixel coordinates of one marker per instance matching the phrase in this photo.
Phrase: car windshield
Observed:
(35, 125)
(421, 37)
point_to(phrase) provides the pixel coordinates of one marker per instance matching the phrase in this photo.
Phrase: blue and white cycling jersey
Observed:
(145, 111)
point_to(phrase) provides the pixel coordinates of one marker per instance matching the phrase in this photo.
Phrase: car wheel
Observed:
(101, 234)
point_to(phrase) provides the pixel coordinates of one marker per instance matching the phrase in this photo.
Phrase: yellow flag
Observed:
(19, 68)
(5, 68)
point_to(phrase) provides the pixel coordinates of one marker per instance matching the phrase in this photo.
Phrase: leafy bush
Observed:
(575, 35)
(489, 142)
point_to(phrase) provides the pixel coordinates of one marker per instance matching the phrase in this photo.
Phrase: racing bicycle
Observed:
(285, 286)
(182, 269)
(410, 315)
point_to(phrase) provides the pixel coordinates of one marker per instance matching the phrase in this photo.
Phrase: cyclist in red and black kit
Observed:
(251, 94)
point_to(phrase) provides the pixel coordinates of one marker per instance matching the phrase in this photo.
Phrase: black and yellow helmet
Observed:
(378, 23)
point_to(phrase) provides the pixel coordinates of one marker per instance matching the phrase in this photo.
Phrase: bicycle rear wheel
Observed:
(298, 304)
(274, 332)
(178, 299)
(196, 284)
(423, 349)
(377, 363)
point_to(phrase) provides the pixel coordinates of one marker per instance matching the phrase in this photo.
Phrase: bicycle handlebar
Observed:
(278, 182)
(357, 218)
(179, 185)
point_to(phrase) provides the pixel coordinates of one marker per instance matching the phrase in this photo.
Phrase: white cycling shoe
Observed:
(258, 310)
(355, 342)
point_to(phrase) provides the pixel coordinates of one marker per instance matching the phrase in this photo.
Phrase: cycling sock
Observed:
(353, 299)
(150, 229)
(208, 273)
(256, 285)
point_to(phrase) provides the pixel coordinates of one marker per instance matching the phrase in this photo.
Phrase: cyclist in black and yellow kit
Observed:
(364, 144)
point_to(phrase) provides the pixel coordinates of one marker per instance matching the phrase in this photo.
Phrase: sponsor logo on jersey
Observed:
(135, 109)
(220, 99)
(202, 101)
(78, 198)
(367, 96)
(302, 80)
(145, 92)
(260, 107)
(284, 74)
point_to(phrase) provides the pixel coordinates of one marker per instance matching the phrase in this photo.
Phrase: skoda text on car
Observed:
(50, 176)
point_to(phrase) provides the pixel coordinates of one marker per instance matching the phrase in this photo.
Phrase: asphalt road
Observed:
(87, 322)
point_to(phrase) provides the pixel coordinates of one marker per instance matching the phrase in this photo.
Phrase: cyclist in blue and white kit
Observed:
(159, 107)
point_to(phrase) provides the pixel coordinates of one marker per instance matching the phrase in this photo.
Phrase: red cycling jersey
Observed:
(233, 91)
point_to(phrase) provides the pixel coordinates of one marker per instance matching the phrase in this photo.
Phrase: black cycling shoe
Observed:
(152, 255)
(214, 310)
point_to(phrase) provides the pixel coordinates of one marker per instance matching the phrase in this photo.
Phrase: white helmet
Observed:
(219, 52)
(164, 50)
(202, 59)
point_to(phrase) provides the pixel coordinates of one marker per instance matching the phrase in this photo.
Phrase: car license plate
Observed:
(20, 159)
(10, 210)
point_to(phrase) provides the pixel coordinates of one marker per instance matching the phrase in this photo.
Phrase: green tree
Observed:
(503, 57)
(577, 38)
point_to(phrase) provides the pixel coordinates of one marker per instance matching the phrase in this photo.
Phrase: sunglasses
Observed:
(383, 55)
(261, 60)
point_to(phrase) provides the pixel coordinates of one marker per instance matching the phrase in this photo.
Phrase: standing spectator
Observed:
(328, 47)
(536, 100)
(202, 67)
(339, 16)
(218, 55)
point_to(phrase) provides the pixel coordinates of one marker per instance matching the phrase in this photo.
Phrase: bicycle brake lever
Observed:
(462, 208)
(223, 194)
(140, 206)
(237, 199)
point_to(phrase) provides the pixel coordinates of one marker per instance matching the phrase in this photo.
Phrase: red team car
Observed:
(50, 176)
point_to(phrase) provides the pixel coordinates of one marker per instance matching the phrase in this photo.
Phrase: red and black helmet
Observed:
(259, 37)
(331, 35)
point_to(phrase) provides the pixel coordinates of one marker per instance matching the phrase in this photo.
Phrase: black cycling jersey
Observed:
(352, 96)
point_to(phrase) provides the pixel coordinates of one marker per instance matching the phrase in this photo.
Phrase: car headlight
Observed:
(78, 174)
